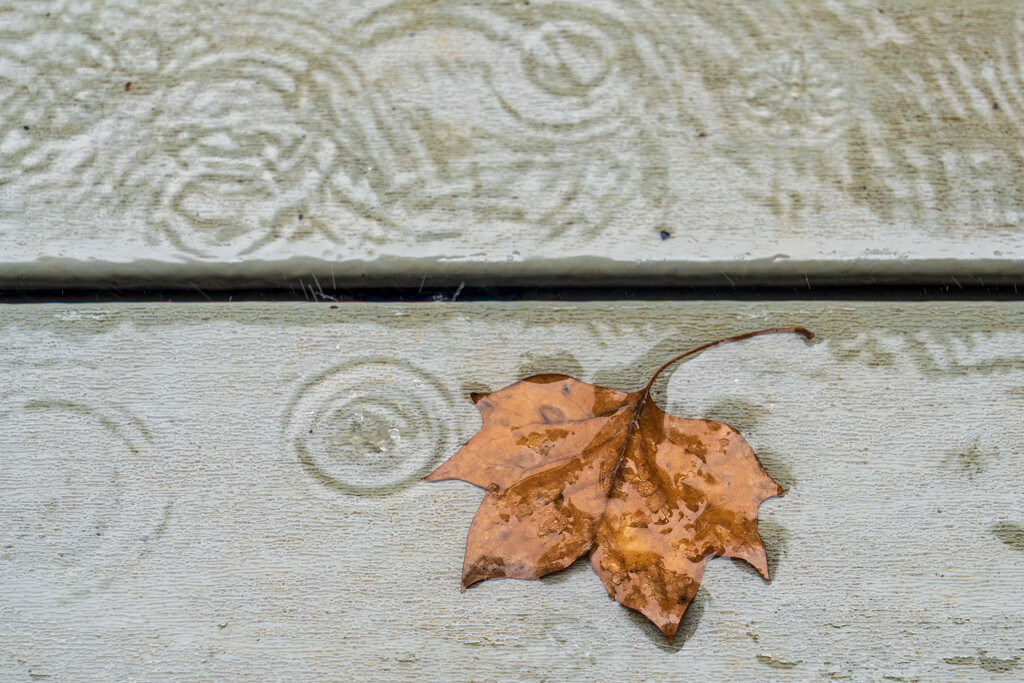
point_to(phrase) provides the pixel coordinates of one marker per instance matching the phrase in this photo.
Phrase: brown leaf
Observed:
(572, 468)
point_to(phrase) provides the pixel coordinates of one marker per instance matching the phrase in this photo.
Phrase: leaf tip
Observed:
(439, 474)
(475, 397)
(761, 563)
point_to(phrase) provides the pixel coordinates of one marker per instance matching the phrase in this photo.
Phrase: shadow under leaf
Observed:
(687, 627)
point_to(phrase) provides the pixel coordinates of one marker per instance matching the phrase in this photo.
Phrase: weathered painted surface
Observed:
(191, 492)
(700, 141)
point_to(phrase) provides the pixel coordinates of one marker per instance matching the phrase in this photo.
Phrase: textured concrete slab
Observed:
(194, 492)
(638, 141)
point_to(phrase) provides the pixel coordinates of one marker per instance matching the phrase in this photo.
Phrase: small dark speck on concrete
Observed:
(127, 86)
(300, 216)
(995, 106)
(985, 662)
(996, 665)
(25, 127)
(776, 664)
(1012, 535)
(665, 234)
(702, 134)
(959, 661)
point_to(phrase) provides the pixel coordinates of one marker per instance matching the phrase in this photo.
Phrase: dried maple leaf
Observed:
(572, 468)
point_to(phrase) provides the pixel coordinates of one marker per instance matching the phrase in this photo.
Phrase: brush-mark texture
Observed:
(571, 468)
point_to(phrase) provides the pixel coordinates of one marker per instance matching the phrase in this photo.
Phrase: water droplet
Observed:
(395, 434)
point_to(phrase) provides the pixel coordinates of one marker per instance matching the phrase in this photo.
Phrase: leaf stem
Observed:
(807, 334)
